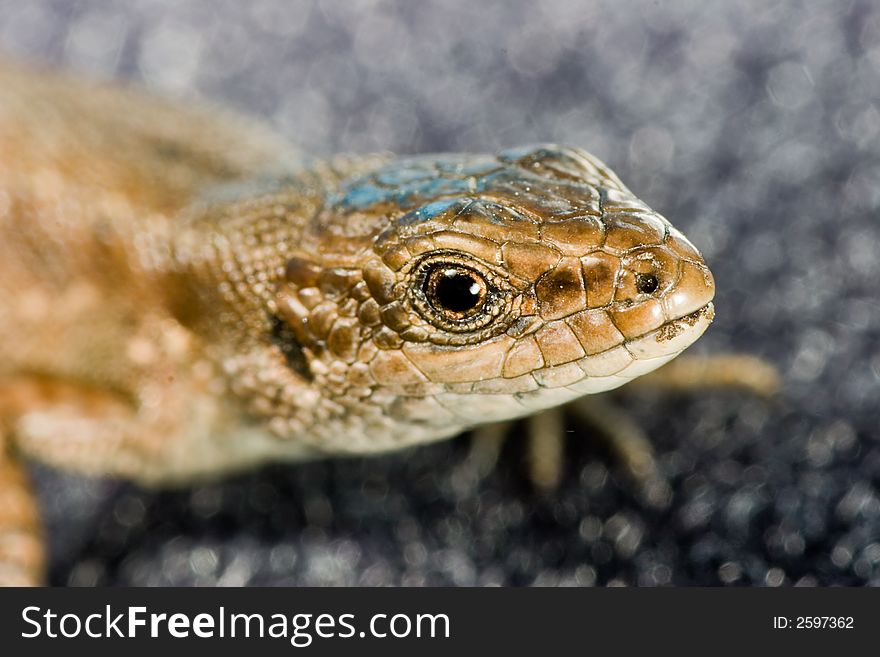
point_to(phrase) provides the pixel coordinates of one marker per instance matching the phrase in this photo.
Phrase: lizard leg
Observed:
(22, 545)
(22, 549)
(737, 371)
(486, 443)
(628, 444)
(630, 447)
(69, 426)
(545, 436)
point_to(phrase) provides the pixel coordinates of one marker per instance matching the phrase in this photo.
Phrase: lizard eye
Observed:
(455, 291)
(458, 294)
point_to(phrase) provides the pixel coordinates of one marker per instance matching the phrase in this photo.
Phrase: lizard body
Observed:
(181, 296)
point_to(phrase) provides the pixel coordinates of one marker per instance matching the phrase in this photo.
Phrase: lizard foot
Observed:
(546, 434)
(722, 371)
(627, 442)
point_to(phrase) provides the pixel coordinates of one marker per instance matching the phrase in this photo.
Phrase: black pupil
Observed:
(457, 291)
(646, 283)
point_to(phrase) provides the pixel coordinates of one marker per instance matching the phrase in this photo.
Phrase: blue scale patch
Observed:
(403, 174)
(439, 181)
(433, 210)
(363, 195)
(409, 182)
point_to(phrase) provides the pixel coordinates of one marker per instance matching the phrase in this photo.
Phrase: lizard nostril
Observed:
(647, 283)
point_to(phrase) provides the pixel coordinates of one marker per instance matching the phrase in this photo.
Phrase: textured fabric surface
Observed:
(753, 126)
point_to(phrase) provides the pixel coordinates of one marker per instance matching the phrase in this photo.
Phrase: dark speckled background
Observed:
(754, 126)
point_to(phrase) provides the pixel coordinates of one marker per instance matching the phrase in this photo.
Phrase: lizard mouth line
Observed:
(673, 337)
(674, 327)
(613, 367)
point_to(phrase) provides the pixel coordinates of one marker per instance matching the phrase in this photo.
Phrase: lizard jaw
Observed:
(589, 375)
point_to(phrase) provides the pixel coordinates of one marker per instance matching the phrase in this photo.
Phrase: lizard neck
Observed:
(229, 248)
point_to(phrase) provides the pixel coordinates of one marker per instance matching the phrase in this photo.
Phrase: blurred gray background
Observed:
(753, 126)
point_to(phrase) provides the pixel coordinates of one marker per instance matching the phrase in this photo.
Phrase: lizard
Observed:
(183, 295)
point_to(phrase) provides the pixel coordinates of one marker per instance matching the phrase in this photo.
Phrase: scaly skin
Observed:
(180, 297)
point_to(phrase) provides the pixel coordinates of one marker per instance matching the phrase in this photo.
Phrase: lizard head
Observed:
(459, 289)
